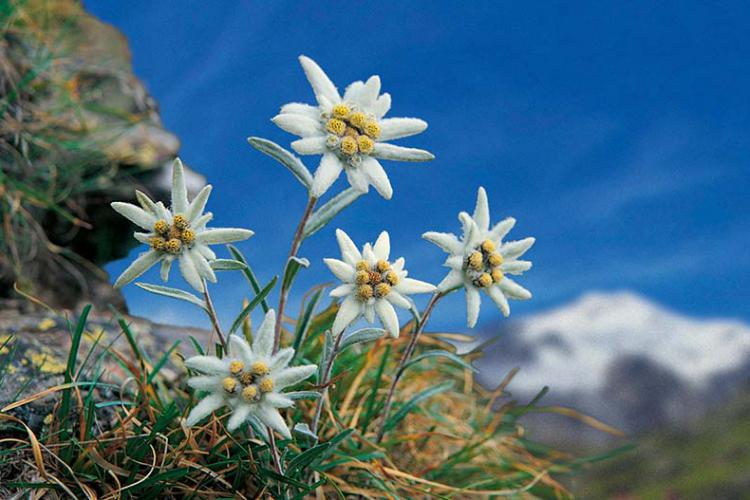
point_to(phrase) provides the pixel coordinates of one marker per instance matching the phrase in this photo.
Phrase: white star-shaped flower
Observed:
(249, 380)
(350, 132)
(176, 233)
(481, 261)
(371, 284)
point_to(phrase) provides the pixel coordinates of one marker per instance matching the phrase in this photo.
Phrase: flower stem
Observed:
(283, 295)
(404, 359)
(274, 451)
(214, 318)
(324, 382)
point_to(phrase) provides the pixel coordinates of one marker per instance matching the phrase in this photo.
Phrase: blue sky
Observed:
(617, 135)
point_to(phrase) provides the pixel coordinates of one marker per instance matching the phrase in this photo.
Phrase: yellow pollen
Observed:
(374, 278)
(362, 278)
(475, 261)
(249, 393)
(348, 146)
(180, 222)
(362, 265)
(383, 266)
(188, 236)
(392, 278)
(364, 292)
(173, 245)
(497, 275)
(161, 226)
(340, 111)
(260, 368)
(247, 378)
(336, 126)
(236, 367)
(174, 233)
(265, 385)
(372, 129)
(484, 280)
(358, 119)
(495, 259)
(366, 145)
(382, 289)
(157, 243)
(488, 246)
(230, 384)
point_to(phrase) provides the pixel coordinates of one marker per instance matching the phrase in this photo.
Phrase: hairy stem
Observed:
(284, 293)
(404, 359)
(274, 451)
(324, 381)
(214, 318)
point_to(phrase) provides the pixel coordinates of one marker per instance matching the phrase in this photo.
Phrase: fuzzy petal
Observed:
(357, 179)
(207, 364)
(197, 206)
(166, 266)
(473, 301)
(382, 248)
(514, 249)
(272, 418)
(146, 203)
(179, 190)
(310, 146)
(482, 211)
(516, 267)
(347, 246)
(454, 279)
(387, 151)
(223, 235)
(376, 176)
(473, 236)
(501, 229)
(298, 125)
(190, 272)
(352, 92)
(388, 317)
(410, 286)
(138, 267)
(349, 310)
(513, 290)
(382, 105)
(292, 376)
(200, 223)
(322, 86)
(202, 265)
(301, 109)
(398, 300)
(203, 409)
(135, 214)
(204, 383)
(264, 337)
(278, 400)
(342, 290)
(239, 416)
(281, 358)
(239, 348)
(369, 94)
(396, 128)
(447, 241)
(328, 171)
(499, 298)
(369, 313)
(340, 269)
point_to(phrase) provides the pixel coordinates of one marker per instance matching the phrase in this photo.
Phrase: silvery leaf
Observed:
(328, 211)
(284, 157)
(172, 292)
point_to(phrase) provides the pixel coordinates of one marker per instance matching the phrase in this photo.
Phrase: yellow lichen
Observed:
(46, 324)
(47, 363)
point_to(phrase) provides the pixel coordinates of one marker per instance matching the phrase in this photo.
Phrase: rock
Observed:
(80, 130)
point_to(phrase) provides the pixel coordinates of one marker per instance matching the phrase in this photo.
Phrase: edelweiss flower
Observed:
(371, 283)
(480, 261)
(248, 380)
(178, 233)
(349, 132)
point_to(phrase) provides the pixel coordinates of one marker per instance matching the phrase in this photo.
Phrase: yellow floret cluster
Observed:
(355, 131)
(374, 281)
(249, 383)
(172, 238)
(484, 265)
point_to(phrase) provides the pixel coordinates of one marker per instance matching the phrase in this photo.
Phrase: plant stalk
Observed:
(284, 293)
(326, 377)
(214, 318)
(404, 359)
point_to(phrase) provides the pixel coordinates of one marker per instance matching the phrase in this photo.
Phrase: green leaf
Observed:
(248, 272)
(248, 308)
(70, 368)
(173, 293)
(329, 210)
(325, 356)
(305, 430)
(363, 335)
(427, 393)
(227, 265)
(284, 157)
(303, 324)
(162, 361)
(307, 457)
(295, 395)
(440, 353)
(293, 265)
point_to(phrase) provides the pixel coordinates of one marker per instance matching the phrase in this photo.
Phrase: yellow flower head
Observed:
(475, 261)
(173, 245)
(180, 222)
(372, 129)
(340, 111)
(188, 236)
(497, 275)
(382, 289)
(365, 144)
(364, 292)
(249, 393)
(265, 385)
(349, 146)
(236, 367)
(484, 280)
(157, 243)
(230, 384)
(488, 246)
(495, 259)
(358, 119)
(362, 278)
(336, 126)
(161, 227)
(260, 368)
(392, 278)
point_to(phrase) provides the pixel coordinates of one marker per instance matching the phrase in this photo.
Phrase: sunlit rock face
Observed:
(623, 359)
(80, 131)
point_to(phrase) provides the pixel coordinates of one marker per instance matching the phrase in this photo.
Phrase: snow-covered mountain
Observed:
(623, 358)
